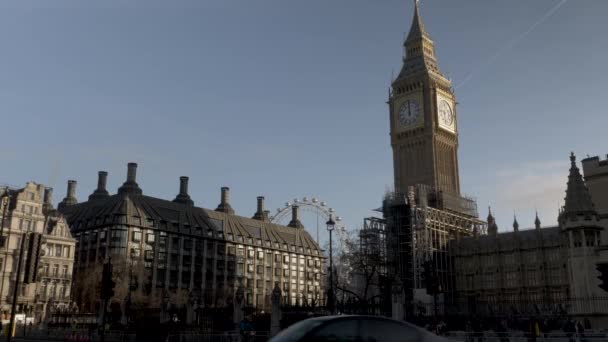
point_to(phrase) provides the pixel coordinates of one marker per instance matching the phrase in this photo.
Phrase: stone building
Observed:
(202, 254)
(22, 212)
(545, 271)
(596, 178)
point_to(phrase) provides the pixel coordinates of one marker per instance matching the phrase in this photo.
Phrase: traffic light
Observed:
(603, 277)
(107, 284)
(32, 258)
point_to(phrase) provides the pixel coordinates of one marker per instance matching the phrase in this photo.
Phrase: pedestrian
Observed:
(533, 330)
(570, 330)
(468, 332)
(246, 329)
(580, 331)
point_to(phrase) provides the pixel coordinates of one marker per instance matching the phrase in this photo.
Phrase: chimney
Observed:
(131, 172)
(183, 196)
(48, 194)
(100, 192)
(102, 180)
(47, 205)
(130, 186)
(295, 222)
(224, 205)
(70, 198)
(183, 185)
(225, 195)
(261, 214)
(71, 189)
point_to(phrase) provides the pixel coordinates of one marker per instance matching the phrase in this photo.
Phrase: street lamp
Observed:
(5, 200)
(331, 295)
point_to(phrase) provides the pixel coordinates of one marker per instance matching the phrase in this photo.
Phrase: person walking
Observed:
(580, 331)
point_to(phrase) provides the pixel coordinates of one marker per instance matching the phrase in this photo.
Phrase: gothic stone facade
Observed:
(201, 253)
(22, 212)
(541, 271)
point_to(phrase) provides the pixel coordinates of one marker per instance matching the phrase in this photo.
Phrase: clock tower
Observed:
(423, 122)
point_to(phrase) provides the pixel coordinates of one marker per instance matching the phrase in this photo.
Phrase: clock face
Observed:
(409, 112)
(445, 113)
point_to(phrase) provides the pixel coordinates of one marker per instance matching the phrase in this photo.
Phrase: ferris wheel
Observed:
(322, 211)
(317, 207)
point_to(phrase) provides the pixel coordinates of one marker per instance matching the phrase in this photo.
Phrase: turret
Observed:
(537, 221)
(492, 227)
(578, 218)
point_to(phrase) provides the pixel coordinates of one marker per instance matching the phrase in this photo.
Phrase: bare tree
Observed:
(358, 271)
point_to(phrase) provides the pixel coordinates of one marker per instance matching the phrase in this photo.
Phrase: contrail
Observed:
(511, 43)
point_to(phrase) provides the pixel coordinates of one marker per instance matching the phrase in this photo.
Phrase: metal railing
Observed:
(225, 337)
(487, 336)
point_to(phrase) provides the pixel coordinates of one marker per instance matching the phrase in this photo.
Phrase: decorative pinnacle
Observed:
(572, 159)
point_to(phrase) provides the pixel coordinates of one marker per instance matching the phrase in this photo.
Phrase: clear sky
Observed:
(287, 98)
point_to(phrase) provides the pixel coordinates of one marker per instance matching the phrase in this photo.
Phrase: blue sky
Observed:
(287, 98)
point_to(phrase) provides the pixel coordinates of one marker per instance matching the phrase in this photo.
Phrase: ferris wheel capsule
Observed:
(331, 210)
(287, 204)
(295, 200)
(323, 204)
(339, 218)
(305, 199)
(315, 200)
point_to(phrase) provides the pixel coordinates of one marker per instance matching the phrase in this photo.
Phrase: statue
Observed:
(275, 316)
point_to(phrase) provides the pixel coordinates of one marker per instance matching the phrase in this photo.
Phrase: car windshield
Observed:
(296, 331)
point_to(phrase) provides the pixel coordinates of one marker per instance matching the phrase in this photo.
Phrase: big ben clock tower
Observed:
(423, 121)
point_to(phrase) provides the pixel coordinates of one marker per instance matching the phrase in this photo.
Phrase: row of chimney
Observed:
(130, 186)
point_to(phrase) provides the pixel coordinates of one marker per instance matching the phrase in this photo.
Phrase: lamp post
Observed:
(5, 202)
(332, 295)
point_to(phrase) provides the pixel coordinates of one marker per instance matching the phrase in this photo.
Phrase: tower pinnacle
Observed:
(578, 200)
(417, 30)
